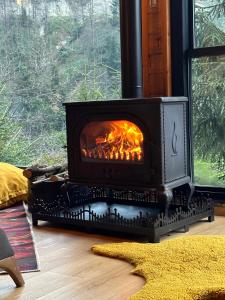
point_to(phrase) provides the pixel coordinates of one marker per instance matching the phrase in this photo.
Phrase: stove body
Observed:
(130, 143)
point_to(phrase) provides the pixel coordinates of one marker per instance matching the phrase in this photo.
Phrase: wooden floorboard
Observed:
(69, 270)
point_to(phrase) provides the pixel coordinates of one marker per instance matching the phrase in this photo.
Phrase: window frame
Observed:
(182, 53)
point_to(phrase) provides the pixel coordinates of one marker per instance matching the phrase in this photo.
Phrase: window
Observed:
(208, 93)
(198, 58)
(209, 23)
(50, 52)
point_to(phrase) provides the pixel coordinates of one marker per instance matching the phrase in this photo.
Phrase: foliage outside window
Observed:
(50, 52)
(208, 90)
(209, 22)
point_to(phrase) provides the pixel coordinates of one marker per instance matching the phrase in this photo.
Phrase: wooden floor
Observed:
(69, 270)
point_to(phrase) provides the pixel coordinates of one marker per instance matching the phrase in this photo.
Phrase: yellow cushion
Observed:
(13, 185)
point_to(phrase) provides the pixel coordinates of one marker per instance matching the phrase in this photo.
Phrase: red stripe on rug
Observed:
(13, 220)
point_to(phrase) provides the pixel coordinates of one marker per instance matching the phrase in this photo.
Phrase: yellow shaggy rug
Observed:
(187, 268)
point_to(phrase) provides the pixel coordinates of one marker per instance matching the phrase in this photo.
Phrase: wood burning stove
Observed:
(131, 143)
(128, 163)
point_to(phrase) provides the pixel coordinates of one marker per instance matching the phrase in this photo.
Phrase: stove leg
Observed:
(211, 218)
(186, 228)
(34, 221)
(190, 191)
(165, 196)
(154, 238)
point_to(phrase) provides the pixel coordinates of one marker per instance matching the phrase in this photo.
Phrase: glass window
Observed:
(209, 23)
(208, 75)
(50, 52)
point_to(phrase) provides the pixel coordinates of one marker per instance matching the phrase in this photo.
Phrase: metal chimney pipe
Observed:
(131, 48)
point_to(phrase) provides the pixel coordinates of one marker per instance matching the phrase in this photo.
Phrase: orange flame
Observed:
(112, 140)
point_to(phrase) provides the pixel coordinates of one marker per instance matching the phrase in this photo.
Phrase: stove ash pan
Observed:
(137, 143)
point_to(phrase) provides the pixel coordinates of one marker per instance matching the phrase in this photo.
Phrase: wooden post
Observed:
(156, 53)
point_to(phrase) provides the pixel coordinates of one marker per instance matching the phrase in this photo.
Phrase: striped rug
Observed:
(14, 222)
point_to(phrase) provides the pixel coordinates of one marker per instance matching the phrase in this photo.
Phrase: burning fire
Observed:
(112, 140)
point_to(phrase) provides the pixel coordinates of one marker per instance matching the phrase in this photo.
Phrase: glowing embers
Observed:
(118, 140)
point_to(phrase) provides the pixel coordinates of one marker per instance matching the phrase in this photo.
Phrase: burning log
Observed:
(113, 140)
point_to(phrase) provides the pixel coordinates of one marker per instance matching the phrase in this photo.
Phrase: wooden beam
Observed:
(156, 55)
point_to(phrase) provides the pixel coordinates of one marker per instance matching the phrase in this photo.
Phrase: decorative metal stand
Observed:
(127, 211)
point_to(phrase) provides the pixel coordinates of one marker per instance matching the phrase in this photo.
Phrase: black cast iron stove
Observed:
(131, 143)
(129, 170)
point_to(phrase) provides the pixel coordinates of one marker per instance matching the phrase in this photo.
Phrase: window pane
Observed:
(209, 120)
(209, 23)
(50, 52)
